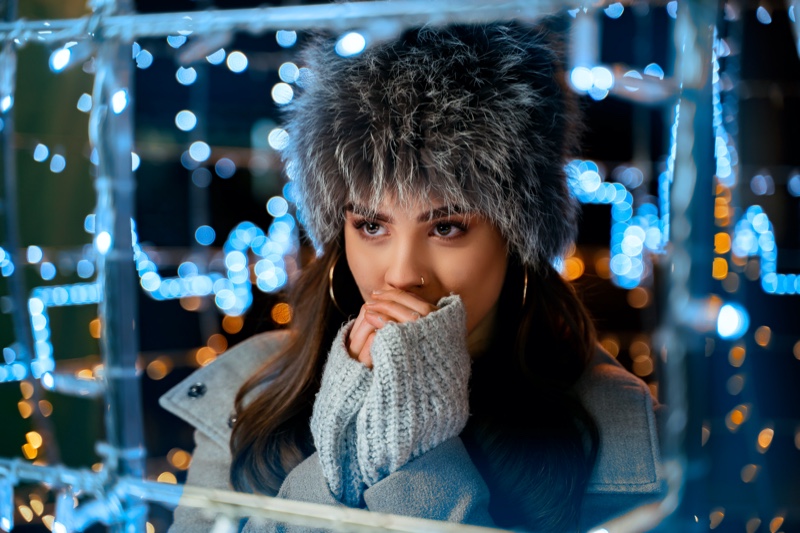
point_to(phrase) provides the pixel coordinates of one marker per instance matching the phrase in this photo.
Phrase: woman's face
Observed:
(455, 253)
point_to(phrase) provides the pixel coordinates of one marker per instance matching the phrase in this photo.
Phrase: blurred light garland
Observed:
(261, 19)
(232, 291)
(636, 230)
(632, 233)
(753, 234)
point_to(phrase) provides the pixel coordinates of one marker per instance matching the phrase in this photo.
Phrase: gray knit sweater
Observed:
(367, 423)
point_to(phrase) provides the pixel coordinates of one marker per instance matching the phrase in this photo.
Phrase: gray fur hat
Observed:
(476, 116)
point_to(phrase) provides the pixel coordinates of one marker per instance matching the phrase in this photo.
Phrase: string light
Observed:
(633, 244)
(754, 236)
(232, 290)
(633, 234)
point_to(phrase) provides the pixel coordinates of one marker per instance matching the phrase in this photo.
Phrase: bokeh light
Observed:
(763, 15)
(282, 93)
(237, 62)
(286, 38)
(232, 324)
(615, 10)
(58, 163)
(185, 120)
(201, 177)
(736, 356)
(205, 235)
(288, 72)
(186, 76)
(281, 313)
(763, 335)
(277, 206)
(278, 138)
(85, 103)
(225, 168)
(144, 59)
(176, 41)
(765, 439)
(200, 151)
(350, 44)
(732, 321)
(40, 153)
(217, 58)
(119, 101)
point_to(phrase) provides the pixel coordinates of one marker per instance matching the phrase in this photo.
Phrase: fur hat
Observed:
(474, 115)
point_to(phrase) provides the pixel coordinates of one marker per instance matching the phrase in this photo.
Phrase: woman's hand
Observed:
(387, 306)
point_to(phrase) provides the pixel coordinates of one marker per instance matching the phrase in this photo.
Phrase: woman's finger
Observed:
(375, 319)
(399, 311)
(365, 356)
(411, 301)
(358, 334)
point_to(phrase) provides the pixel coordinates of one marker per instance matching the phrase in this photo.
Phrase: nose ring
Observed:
(421, 281)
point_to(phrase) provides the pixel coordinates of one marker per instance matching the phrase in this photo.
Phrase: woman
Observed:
(468, 387)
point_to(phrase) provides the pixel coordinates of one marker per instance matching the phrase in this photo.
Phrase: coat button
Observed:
(197, 390)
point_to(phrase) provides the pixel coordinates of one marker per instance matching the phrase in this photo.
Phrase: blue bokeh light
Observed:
(185, 120)
(40, 153)
(237, 62)
(793, 185)
(732, 321)
(199, 151)
(289, 72)
(217, 58)
(186, 76)
(225, 168)
(615, 10)
(85, 269)
(286, 38)
(277, 206)
(144, 59)
(205, 235)
(34, 254)
(47, 271)
(350, 44)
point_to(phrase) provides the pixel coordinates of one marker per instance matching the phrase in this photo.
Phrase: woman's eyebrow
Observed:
(434, 214)
(362, 211)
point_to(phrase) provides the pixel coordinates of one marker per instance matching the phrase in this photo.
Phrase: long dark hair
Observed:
(529, 436)
(271, 434)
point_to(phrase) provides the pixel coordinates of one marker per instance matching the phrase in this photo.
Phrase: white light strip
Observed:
(258, 20)
(222, 502)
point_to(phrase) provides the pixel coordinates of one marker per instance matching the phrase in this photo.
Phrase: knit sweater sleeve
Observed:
(333, 423)
(418, 397)
(368, 424)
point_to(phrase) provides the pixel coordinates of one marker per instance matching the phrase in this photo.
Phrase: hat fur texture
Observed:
(473, 116)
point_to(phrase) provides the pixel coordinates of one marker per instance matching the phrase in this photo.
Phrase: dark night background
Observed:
(231, 107)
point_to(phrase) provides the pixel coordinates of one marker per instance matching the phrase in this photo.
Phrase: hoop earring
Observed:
(524, 286)
(330, 286)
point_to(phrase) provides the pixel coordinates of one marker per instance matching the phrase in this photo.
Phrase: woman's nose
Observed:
(405, 269)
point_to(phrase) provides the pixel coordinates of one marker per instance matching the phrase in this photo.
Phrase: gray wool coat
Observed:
(443, 484)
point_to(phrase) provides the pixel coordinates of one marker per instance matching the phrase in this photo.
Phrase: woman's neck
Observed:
(478, 340)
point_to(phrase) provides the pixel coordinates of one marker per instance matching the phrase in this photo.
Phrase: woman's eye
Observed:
(443, 229)
(447, 230)
(371, 228)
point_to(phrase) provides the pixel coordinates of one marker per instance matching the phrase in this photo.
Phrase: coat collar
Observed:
(620, 403)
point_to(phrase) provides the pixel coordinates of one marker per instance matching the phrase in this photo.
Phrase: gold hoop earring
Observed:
(524, 286)
(330, 286)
